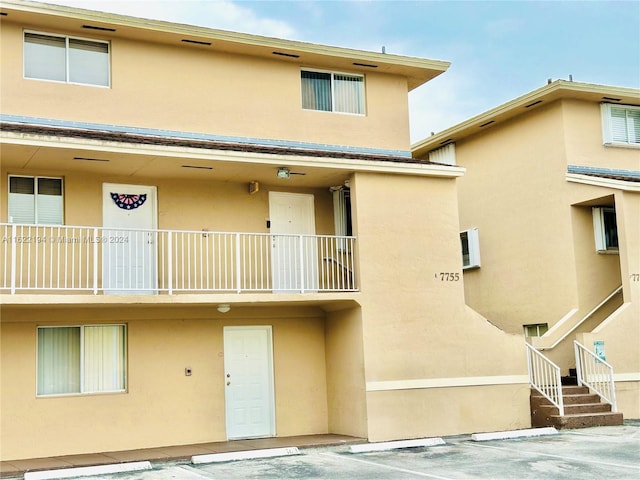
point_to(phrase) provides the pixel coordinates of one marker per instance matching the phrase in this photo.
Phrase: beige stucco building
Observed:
(550, 212)
(209, 235)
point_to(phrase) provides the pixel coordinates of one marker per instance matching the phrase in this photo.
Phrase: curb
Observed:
(244, 455)
(380, 446)
(531, 432)
(86, 471)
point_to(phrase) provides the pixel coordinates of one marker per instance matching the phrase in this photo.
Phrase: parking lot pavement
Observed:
(591, 453)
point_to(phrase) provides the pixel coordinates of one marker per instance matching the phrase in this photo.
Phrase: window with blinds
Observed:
(81, 359)
(620, 124)
(332, 92)
(66, 59)
(35, 200)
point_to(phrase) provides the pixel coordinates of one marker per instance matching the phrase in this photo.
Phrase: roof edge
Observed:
(435, 67)
(552, 91)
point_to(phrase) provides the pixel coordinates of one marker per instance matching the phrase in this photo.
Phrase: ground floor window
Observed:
(81, 359)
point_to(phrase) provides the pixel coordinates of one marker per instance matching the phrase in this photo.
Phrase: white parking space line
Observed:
(562, 457)
(382, 465)
(185, 472)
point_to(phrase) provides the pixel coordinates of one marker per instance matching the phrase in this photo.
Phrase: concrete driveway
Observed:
(591, 453)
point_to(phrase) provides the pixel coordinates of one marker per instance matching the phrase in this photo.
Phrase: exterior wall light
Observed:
(283, 172)
(224, 307)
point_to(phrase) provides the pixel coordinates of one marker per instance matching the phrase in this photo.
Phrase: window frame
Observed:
(607, 125)
(538, 327)
(333, 73)
(81, 367)
(473, 247)
(67, 38)
(35, 194)
(342, 216)
(599, 230)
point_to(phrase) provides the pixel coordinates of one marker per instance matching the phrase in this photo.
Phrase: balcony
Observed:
(96, 260)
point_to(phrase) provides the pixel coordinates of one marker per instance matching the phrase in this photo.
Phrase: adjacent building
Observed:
(550, 222)
(210, 235)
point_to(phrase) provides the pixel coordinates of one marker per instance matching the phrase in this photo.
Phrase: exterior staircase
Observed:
(581, 408)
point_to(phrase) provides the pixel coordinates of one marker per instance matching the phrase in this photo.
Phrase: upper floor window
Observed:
(332, 92)
(470, 248)
(35, 200)
(66, 59)
(620, 124)
(605, 229)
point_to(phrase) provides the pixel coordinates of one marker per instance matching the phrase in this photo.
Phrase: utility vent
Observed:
(445, 155)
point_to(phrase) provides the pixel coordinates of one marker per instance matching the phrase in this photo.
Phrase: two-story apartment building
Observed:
(550, 221)
(209, 235)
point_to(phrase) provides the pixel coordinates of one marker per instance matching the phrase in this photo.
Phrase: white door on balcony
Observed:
(129, 240)
(249, 392)
(295, 256)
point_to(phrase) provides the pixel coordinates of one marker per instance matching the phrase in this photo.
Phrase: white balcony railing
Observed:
(106, 260)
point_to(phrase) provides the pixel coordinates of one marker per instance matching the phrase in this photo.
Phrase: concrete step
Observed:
(580, 398)
(582, 409)
(576, 408)
(584, 420)
(574, 389)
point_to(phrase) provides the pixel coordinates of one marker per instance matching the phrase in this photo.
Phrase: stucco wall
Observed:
(182, 204)
(419, 336)
(162, 406)
(345, 373)
(189, 89)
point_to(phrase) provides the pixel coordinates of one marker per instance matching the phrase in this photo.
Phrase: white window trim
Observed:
(473, 241)
(82, 392)
(599, 231)
(67, 38)
(35, 196)
(538, 327)
(607, 131)
(333, 74)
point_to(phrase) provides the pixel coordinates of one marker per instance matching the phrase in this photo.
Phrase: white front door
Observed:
(249, 394)
(129, 253)
(295, 254)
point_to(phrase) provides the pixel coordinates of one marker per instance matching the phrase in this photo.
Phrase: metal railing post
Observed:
(238, 269)
(170, 263)
(95, 261)
(578, 363)
(302, 272)
(14, 241)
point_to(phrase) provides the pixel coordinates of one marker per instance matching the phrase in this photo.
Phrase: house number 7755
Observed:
(448, 276)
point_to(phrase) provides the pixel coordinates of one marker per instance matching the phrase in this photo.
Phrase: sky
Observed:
(498, 50)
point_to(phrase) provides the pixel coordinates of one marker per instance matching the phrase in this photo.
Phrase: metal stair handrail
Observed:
(596, 374)
(544, 376)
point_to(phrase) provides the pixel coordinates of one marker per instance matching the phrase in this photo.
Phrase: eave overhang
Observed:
(211, 152)
(560, 89)
(70, 20)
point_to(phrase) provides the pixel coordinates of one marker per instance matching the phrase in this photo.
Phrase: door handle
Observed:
(228, 383)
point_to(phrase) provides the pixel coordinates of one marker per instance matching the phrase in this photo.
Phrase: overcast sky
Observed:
(499, 50)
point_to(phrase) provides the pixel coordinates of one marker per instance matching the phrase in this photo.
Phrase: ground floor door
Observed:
(129, 240)
(295, 252)
(249, 391)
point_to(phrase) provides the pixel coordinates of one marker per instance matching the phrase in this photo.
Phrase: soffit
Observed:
(71, 20)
